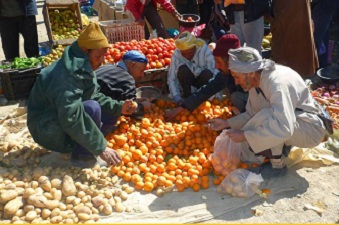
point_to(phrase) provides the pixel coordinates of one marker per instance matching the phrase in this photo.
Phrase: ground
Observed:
(315, 184)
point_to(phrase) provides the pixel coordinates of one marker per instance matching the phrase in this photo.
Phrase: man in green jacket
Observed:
(66, 111)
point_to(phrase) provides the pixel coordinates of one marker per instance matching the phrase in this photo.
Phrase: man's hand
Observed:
(129, 107)
(111, 157)
(217, 124)
(170, 116)
(236, 135)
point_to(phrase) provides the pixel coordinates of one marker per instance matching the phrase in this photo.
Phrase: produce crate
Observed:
(74, 5)
(156, 78)
(122, 30)
(17, 84)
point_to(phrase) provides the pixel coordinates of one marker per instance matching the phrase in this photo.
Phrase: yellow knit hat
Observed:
(91, 37)
(186, 40)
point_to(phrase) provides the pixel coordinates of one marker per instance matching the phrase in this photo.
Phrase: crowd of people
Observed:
(76, 101)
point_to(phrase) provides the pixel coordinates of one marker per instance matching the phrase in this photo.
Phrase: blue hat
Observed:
(135, 56)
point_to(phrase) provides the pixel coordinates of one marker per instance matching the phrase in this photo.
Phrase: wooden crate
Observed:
(156, 78)
(61, 5)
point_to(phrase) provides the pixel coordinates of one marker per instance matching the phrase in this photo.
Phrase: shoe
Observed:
(267, 171)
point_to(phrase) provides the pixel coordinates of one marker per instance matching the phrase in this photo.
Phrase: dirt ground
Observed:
(316, 185)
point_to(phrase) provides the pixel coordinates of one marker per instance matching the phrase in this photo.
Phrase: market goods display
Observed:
(328, 96)
(55, 54)
(158, 51)
(64, 24)
(22, 63)
(158, 154)
(266, 41)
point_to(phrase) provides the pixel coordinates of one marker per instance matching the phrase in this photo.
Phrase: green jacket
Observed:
(56, 116)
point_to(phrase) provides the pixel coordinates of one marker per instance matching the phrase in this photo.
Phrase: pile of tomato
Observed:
(158, 51)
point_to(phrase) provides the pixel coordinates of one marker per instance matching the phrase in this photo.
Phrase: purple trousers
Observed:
(105, 122)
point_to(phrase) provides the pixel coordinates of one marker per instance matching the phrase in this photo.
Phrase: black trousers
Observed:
(152, 16)
(11, 27)
(186, 79)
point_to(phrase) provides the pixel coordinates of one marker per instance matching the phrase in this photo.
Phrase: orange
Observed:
(148, 186)
(196, 187)
(139, 185)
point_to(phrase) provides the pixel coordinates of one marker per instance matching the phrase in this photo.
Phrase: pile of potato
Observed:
(60, 195)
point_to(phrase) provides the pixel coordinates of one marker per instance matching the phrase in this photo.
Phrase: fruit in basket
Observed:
(64, 24)
(189, 19)
(53, 55)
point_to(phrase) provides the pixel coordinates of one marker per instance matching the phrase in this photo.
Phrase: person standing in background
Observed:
(141, 10)
(18, 17)
(188, 6)
(246, 19)
(322, 12)
(292, 36)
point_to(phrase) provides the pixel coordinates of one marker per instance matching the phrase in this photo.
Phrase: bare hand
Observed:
(217, 124)
(170, 116)
(129, 107)
(236, 135)
(111, 157)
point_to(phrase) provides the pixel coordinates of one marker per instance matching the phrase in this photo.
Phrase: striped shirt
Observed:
(203, 59)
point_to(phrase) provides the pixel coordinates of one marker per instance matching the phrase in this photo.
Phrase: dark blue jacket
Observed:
(253, 10)
(29, 7)
(214, 85)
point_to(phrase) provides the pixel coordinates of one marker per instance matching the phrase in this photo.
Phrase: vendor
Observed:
(222, 80)
(65, 107)
(280, 112)
(118, 81)
(192, 65)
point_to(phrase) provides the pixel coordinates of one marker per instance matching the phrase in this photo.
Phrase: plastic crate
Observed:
(156, 78)
(122, 30)
(17, 84)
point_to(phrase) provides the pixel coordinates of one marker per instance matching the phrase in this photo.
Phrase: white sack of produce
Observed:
(240, 183)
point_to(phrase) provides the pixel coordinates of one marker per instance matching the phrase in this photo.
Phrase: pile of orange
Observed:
(156, 153)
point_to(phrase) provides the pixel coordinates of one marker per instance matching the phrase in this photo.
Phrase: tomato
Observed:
(160, 55)
(148, 66)
(154, 57)
(117, 56)
(159, 65)
(159, 50)
(150, 51)
(167, 61)
(153, 65)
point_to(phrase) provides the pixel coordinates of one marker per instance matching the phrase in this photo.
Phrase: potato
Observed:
(124, 196)
(20, 190)
(129, 190)
(68, 221)
(70, 199)
(19, 222)
(7, 195)
(97, 201)
(68, 187)
(34, 184)
(128, 209)
(56, 194)
(56, 219)
(28, 208)
(55, 212)
(56, 183)
(10, 186)
(83, 209)
(44, 183)
(20, 184)
(37, 200)
(95, 217)
(13, 205)
(84, 216)
(31, 215)
(28, 192)
(52, 204)
(37, 173)
(20, 213)
(119, 207)
(62, 206)
(107, 209)
(39, 191)
(45, 213)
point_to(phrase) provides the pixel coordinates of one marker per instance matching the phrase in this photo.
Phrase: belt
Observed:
(238, 7)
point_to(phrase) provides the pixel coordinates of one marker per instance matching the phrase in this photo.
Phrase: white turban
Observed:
(247, 60)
